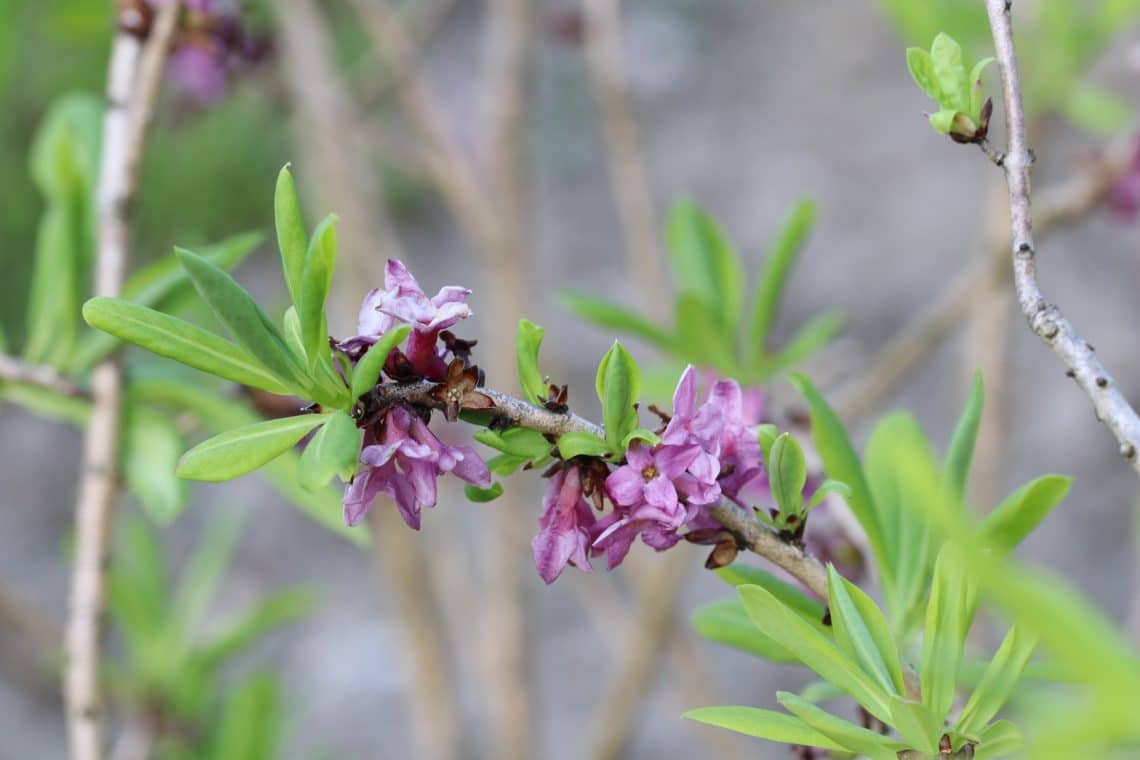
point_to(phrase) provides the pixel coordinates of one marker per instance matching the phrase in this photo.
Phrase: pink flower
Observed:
(566, 526)
(1124, 195)
(405, 463)
(403, 301)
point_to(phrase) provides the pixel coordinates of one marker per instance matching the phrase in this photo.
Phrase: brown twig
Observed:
(1058, 206)
(1046, 319)
(632, 194)
(13, 370)
(132, 87)
(750, 532)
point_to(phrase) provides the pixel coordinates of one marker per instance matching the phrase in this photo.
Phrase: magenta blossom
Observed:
(657, 491)
(403, 301)
(1124, 194)
(566, 525)
(405, 463)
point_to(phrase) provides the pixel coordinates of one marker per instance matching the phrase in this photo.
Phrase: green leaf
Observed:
(767, 433)
(961, 450)
(975, 84)
(739, 574)
(921, 67)
(291, 236)
(778, 262)
(527, 341)
(151, 447)
(482, 495)
(648, 437)
(725, 622)
(763, 724)
(203, 573)
(847, 735)
(841, 462)
(250, 727)
(366, 374)
(219, 415)
(705, 263)
(1022, 511)
(950, 73)
(998, 682)
(576, 444)
(238, 312)
(1000, 739)
(945, 632)
(53, 303)
(863, 633)
(320, 261)
(787, 474)
(65, 152)
(171, 337)
(916, 725)
(333, 451)
(266, 616)
(237, 452)
(943, 121)
(894, 445)
(825, 488)
(701, 338)
(506, 464)
(619, 387)
(805, 341)
(813, 649)
(160, 285)
(522, 442)
(612, 317)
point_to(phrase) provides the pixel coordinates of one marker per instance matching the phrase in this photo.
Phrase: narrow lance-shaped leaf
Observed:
(916, 724)
(1022, 511)
(778, 262)
(961, 450)
(237, 452)
(998, 682)
(813, 649)
(725, 622)
(763, 724)
(945, 632)
(706, 264)
(851, 737)
(527, 342)
(366, 373)
(238, 312)
(181, 341)
(841, 462)
(162, 285)
(575, 444)
(804, 342)
(863, 633)
(320, 261)
(151, 447)
(483, 495)
(793, 597)
(291, 236)
(613, 317)
(333, 451)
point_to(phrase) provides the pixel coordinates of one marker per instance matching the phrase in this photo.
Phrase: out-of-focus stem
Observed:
(132, 87)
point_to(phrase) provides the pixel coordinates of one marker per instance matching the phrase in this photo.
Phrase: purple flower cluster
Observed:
(707, 452)
(403, 301)
(401, 456)
(211, 45)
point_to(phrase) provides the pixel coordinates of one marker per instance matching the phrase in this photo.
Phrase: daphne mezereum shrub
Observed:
(711, 470)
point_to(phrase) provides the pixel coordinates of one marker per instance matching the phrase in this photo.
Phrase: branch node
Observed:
(1128, 451)
(1102, 382)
